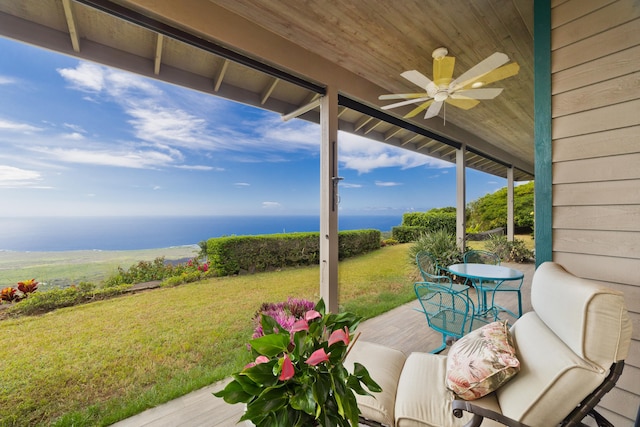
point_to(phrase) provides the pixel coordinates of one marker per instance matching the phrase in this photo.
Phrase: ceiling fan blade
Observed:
(493, 76)
(417, 78)
(433, 110)
(487, 93)
(418, 109)
(400, 104)
(443, 70)
(402, 96)
(462, 102)
(481, 68)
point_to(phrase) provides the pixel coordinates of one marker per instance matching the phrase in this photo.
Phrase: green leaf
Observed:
(271, 400)
(262, 374)
(248, 385)
(351, 410)
(321, 389)
(320, 307)
(363, 375)
(269, 324)
(303, 401)
(233, 393)
(270, 345)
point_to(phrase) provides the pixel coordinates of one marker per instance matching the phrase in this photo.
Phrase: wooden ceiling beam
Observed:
(392, 132)
(360, 123)
(269, 90)
(70, 16)
(373, 126)
(157, 60)
(220, 76)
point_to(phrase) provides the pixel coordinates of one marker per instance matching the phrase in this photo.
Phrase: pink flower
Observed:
(311, 314)
(300, 325)
(287, 369)
(339, 335)
(259, 360)
(317, 356)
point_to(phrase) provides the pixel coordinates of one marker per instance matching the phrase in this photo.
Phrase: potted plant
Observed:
(298, 377)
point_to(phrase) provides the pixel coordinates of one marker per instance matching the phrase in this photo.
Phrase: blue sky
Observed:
(77, 138)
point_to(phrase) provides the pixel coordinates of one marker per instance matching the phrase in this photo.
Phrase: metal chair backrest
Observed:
(481, 257)
(428, 265)
(448, 311)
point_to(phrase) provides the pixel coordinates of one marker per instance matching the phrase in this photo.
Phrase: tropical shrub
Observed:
(515, 251)
(43, 302)
(158, 269)
(25, 288)
(441, 244)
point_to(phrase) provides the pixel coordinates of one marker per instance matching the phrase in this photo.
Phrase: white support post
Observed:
(461, 188)
(510, 202)
(329, 199)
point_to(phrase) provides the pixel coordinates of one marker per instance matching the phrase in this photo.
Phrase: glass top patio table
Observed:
(479, 273)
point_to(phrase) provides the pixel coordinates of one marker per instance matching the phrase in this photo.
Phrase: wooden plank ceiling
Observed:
(374, 40)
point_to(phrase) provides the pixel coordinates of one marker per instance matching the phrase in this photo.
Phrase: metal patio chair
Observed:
(447, 311)
(432, 272)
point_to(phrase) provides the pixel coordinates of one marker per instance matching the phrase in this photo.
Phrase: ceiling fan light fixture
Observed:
(439, 53)
(441, 96)
(476, 85)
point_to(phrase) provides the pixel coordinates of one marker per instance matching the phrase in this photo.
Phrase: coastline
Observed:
(60, 267)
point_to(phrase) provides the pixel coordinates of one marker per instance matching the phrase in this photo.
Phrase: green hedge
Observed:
(414, 224)
(250, 254)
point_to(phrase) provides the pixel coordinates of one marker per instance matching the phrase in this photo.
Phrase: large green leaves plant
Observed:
(298, 377)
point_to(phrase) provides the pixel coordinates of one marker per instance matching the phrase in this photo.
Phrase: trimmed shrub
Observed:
(405, 233)
(414, 224)
(250, 254)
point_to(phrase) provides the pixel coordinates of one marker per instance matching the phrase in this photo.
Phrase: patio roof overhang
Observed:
(281, 56)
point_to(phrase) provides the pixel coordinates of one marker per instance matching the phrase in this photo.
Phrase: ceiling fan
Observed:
(463, 92)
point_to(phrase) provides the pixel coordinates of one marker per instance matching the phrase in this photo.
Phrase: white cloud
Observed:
(349, 185)
(242, 184)
(86, 77)
(75, 136)
(6, 80)
(199, 168)
(17, 127)
(365, 155)
(15, 177)
(271, 205)
(126, 159)
(387, 183)
(74, 128)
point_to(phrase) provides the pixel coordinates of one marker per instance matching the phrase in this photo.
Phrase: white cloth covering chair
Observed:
(571, 349)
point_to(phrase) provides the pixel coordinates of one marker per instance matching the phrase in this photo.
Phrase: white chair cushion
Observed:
(589, 317)
(423, 399)
(384, 365)
(552, 378)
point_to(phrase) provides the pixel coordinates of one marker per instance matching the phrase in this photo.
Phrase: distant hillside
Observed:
(490, 211)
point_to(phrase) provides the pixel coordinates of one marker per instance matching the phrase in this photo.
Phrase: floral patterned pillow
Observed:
(481, 361)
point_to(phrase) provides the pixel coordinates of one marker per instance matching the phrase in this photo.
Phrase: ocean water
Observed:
(127, 233)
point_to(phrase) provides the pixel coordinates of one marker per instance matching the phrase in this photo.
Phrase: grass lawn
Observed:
(101, 362)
